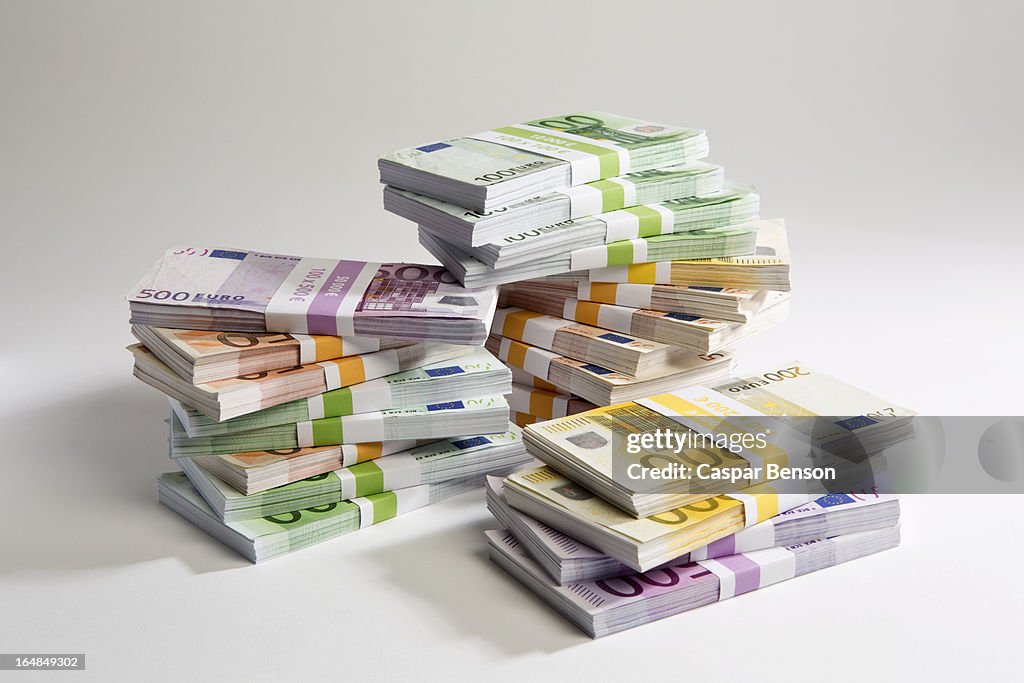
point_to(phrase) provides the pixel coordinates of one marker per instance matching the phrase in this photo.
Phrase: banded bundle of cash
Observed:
(691, 332)
(767, 267)
(640, 358)
(202, 356)
(603, 386)
(427, 464)
(545, 404)
(468, 228)
(204, 288)
(483, 414)
(610, 555)
(339, 387)
(265, 538)
(508, 164)
(715, 303)
(705, 243)
(539, 245)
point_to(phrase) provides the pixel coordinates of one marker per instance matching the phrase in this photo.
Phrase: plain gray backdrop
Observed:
(887, 134)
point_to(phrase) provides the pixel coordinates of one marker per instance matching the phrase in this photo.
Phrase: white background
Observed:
(887, 134)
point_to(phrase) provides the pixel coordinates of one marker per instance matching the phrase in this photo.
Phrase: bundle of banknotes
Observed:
(311, 397)
(610, 553)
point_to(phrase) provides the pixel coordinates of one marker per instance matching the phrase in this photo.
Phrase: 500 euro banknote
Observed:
(247, 291)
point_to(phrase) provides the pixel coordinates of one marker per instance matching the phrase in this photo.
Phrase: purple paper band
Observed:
(747, 572)
(722, 547)
(321, 316)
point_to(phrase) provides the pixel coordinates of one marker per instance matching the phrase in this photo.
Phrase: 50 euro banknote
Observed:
(206, 355)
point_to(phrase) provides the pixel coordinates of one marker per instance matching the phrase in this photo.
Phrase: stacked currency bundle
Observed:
(311, 397)
(618, 279)
(610, 552)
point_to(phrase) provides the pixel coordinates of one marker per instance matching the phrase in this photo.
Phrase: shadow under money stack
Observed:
(627, 264)
(312, 397)
(611, 552)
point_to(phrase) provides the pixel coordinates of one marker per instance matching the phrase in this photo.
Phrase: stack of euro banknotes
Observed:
(628, 268)
(311, 397)
(627, 263)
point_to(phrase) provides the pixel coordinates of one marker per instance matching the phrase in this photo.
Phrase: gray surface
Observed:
(885, 133)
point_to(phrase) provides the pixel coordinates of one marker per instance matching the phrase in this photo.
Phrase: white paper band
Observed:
(349, 455)
(332, 374)
(307, 348)
(639, 250)
(620, 225)
(668, 218)
(541, 331)
(585, 167)
(400, 471)
(371, 396)
(634, 296)
(755, 537)
(616, 318)
(519, 400)
(357, 346)
(739, 574)
(315, 407)
(597, 257)
(750, 517)
(365, 512)
(538, 361)
(304, 434)
(380, 363)
(363, 427)
(412, 498)
(584, 200)
(560, 406)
